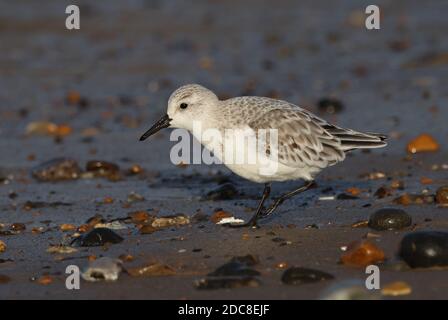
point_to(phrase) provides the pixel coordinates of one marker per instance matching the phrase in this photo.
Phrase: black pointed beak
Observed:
(163, 122)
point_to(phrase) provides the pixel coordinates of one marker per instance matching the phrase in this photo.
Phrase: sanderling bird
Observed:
(306, 144)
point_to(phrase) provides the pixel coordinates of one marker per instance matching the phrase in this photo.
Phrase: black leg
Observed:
(286, 196)
(253, 221)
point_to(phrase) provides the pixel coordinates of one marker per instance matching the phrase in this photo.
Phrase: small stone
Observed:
(139, 216)
(423, 143)
(67, 227)
(135, 169)
(226, 283)
(61, 249)
(426, 180)
(361, 254)
(103, 268)
(219, 215)
(297, 276)
(345, 196)
(353, 191)
(390, 219)
(134, 197)
(281, 265)
(59, 169)
(152, 270)
(168, 221)
(104, 169)
(47, 128)
(382, 192)
(418, 199)
(226, 191)
(394, 289)
(442, 196)
(330, 106)
(108, 200)
(45, 280)
(97, 237)
(425, 249)
(2, 246)
(146, 229)
(17, 227)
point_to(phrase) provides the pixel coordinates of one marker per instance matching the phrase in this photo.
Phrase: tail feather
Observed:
(357, 140)
(362, 141)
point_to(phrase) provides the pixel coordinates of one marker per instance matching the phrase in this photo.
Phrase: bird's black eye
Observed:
(183, 105)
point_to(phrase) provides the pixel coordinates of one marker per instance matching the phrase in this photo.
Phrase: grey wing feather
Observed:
(305, 140)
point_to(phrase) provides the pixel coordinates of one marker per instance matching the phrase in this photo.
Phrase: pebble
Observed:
(17, 227)
(425, 249)
(361, 254)
(97, 237)
(397, 288)
(423, 143)
(168, 221)
(298, 275)
(134, 197)
(67, 227)
(442, 196)
(61, 249)
(419, 199)
(59, 169)
(389, 219)
(382, 192)
(100, 168)
(345, 196)
(146, 229)
(45, 280)
(226, 191)
(103, 268)
(2, 246)
(139, 216)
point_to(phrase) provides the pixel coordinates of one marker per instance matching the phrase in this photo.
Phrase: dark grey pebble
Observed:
(344, 196)
(389, 219)
(97, 237)
(424, 249)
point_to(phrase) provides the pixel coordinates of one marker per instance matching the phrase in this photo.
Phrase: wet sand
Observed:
(125, 61)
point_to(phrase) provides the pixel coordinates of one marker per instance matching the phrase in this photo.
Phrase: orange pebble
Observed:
(423, 143)
(361, 254)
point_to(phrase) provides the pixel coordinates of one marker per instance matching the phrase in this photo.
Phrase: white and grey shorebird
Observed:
(306, 144)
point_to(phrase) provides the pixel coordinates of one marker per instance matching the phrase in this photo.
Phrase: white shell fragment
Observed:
(115, 225)
(327, 198)
(104, 268)
(232, 220)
